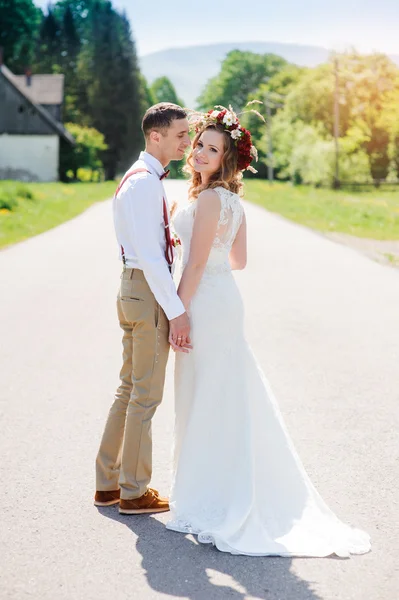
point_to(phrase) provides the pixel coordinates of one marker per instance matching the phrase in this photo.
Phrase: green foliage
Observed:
(86, 154)
(91, 44)
(146, 98)
(49, 44)
(108, 67)
(7, 200)
(240, 75)
(24, 192)
(19, 22)
(312, 158)
(11, 194)
(302, 124)
(162, 90)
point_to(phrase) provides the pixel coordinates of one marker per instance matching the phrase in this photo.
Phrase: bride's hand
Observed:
(186, 347)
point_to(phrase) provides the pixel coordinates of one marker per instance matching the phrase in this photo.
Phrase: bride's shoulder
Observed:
(227, 197)
(208, 196)
(217, 198)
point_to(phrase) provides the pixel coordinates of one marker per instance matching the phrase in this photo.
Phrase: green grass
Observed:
(29, 209)
(372, 214)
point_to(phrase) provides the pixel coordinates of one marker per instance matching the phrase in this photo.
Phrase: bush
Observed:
(11, 193)
(84, 155)
(7, 200)
(24, 192)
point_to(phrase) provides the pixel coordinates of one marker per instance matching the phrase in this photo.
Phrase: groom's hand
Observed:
(179, 333)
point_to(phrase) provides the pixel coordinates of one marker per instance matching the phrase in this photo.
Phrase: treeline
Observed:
(347, 108)
(105, 94)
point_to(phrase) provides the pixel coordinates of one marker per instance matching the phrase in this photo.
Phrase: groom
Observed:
(148, 307)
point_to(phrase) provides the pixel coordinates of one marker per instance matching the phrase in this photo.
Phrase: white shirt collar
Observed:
(153, 162)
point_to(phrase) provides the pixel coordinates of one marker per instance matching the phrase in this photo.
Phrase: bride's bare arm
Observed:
(238, 252)
(206, 220)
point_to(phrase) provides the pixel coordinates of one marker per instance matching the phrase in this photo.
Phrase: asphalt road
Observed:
(323, 321)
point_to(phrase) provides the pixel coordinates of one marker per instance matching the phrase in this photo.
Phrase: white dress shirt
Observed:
(139, 228)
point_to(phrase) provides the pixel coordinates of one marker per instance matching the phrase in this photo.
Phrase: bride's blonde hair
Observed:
(227, 176)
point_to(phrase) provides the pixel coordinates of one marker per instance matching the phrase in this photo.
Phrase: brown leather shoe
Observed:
(150, 502)
(107, 498)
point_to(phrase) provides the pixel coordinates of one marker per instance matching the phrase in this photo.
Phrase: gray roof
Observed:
(44, 89)
(57, 127)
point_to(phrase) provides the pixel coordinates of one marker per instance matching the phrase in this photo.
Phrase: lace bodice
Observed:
(231, 213)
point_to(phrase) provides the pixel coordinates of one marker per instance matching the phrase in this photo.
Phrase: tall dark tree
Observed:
(19, 22)
(81, 11)
(49, 45)
(70, 47)
(108, 66)
(70, 40)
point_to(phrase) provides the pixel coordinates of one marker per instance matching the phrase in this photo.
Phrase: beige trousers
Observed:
(125, 456)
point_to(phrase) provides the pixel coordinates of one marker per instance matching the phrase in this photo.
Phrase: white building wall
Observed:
(29, 157)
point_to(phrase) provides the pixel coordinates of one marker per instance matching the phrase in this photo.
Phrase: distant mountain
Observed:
(190, 68)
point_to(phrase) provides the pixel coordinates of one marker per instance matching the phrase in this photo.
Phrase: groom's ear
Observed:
(155, 136)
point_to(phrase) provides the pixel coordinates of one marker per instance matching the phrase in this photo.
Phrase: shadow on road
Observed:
(176, 564)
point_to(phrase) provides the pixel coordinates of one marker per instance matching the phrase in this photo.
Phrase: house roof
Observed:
(44, 89)
(55, 125)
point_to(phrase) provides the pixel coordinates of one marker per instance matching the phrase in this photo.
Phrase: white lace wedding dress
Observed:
(237, 481)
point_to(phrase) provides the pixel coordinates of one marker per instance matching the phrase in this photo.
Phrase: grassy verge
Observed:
(372, 214)
(29, 209)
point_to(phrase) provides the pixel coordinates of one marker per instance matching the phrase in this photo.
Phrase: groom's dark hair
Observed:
(160, 116)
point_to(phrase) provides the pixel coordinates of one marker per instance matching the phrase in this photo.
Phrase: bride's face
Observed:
(208, 153)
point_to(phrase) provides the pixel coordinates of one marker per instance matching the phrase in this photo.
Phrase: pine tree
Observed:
(49, 45)
(70, 42)
(108, 65)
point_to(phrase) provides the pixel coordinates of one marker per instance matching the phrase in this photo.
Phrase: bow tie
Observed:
(165, 174)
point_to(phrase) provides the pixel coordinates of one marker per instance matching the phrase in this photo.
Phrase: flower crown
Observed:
(246, 151)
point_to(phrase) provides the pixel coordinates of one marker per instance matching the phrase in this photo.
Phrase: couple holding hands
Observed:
(238, 482)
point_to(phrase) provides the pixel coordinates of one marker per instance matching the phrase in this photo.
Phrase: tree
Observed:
(163, 90)
(85, 154)
(70, 48)
(145, 94)
(240, 75)
(49, 45)
(70, 42)
(81, 11)
(108, 70)
(19, 22)
(389, 122)
(273, 94)
(366, 133)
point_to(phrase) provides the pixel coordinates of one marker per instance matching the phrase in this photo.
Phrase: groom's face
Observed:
(175, 139)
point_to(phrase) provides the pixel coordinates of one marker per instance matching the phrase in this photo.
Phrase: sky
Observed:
(366, 25)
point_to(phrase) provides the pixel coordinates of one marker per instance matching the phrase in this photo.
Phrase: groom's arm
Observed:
(144, 221)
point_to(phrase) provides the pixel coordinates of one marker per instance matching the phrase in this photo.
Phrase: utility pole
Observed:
(271, 103)
(336, 183)
(270, 171)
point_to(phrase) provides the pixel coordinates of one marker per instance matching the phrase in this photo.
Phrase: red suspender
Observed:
(169, 245)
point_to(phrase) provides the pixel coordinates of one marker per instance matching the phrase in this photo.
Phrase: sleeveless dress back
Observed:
(238, 482)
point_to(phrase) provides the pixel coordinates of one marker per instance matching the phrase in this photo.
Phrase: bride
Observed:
(238, 482)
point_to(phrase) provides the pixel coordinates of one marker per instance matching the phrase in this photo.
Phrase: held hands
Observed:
(179, 334)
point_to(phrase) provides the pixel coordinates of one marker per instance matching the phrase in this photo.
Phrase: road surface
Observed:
(323, 321)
